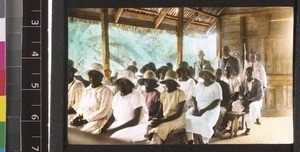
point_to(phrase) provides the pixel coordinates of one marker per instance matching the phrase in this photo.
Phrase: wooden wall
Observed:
(270, 34)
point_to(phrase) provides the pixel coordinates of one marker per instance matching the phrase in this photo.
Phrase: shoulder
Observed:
(78, 83)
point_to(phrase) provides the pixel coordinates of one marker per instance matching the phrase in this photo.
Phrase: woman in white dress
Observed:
(201, 118)
(130, 116)
(95, 108)
(172, 104)
(187, 84)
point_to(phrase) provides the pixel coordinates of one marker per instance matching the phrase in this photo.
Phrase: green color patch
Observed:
(2, 134)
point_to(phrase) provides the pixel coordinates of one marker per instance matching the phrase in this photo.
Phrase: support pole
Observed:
(243, 41)
(219, 38)
(179, 36)
(105, 41)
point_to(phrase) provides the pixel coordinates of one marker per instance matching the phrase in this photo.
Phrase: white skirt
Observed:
(131, 134)
(204, 124)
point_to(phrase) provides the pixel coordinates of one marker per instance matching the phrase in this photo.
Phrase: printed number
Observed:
(35, 22)
(34, 54)
(37, 148)
(35, 85)
(35, 117)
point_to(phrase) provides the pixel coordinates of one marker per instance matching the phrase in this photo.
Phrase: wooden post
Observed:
(219, 37)
(105, 42)
(243, 41)
(179, 36)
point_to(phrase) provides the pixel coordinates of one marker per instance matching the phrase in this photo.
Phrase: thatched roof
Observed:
(196, 20)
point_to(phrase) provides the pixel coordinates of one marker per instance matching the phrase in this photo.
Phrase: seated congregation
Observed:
(163, 103)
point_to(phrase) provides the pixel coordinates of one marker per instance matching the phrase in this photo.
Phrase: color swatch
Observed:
(2, 78)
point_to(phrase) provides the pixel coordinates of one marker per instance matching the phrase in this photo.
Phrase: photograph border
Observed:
(58, 77)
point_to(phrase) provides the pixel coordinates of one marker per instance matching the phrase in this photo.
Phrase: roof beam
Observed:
(118, 14)
(211, 26)
(193, 17)
(161, 16)
(201, 12)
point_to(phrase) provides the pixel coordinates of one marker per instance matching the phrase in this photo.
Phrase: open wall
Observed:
(270, 35)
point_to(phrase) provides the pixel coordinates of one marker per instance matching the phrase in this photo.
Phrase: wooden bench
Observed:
(176, 137)
(234, 116)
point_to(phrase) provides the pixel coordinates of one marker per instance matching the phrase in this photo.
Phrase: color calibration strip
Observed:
(2, 78)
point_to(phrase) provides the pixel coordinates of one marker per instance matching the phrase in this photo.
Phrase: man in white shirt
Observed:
(259, 73)
(251, 90)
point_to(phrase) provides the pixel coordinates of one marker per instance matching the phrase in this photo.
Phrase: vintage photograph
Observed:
(180, 75)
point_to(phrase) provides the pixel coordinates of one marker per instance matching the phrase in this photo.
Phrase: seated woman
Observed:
(201, 118)
(187, 84)
(151, 94)
(95, 108)
(172, 103)
(130, 115)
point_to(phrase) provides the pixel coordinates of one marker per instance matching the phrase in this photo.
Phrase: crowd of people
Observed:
(133, 108)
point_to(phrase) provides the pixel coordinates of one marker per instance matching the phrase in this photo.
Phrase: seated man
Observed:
(251, 90)
(95, 108)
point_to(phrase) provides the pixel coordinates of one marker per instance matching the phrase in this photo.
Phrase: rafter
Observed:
(118, 14)
(201, 12)
(161, 16)
(193, 17)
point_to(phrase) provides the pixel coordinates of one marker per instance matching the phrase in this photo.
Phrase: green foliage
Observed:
(128, 44)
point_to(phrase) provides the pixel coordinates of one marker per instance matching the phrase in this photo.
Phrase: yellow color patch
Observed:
(2, 108)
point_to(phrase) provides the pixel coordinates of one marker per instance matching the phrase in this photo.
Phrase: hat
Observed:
(170, 76)
(209, 70)
(71, 66)
(126, 74)
(148, 75)
(94, 66)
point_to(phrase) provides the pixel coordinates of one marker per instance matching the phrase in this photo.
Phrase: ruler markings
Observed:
(32, 26)
(31, 121)
(36, 42)
(31, 89)
(31, 58)
(35, 105)
(35, 10)
(35, 73)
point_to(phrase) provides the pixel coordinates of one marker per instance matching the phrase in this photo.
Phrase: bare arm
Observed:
(209, 107)
(108, 123)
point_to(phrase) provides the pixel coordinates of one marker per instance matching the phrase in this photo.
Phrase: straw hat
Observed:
(94, 66)
(126, 74)
(170, 76)
(132, 64)
(209, 70)
(71, 66)
(148, 75)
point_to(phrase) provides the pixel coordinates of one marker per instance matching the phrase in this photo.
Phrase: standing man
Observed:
(259, 73)
(198, 65)
(228, 60)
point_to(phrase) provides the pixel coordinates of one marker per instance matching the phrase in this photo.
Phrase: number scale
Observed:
(33, 122)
